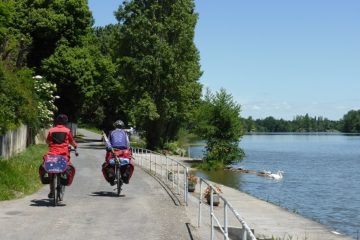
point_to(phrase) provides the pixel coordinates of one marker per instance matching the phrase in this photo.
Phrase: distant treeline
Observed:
(350, 123)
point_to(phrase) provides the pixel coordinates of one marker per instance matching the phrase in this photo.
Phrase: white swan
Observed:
(278, 175)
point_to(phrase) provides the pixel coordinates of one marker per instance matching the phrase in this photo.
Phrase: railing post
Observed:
(161, 166)
(200, 202)
(212, 212)
(226, 231)
(244, 237)
(173, 175)
(137, 152)
(178, 178)
(155, 163)
(186, 170)
(150, 160)
(167, 170)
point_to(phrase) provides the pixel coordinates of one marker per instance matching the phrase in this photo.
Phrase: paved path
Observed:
(143, 211)
(92, 211)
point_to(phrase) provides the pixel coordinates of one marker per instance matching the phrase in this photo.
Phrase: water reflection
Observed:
(227, 178)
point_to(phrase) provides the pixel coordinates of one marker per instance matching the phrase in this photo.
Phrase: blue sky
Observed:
(276, 58)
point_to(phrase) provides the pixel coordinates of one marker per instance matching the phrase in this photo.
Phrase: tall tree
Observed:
(14, 44)
(160, 64)
(48, 22)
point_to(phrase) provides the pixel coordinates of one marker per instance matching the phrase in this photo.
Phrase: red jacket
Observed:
(59, 138)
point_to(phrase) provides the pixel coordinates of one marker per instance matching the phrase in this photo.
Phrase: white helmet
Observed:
(119, 124)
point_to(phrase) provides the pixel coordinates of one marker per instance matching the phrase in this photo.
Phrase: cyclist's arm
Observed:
(72, 140)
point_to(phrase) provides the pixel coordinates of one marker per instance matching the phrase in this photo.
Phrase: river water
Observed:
(321, 179)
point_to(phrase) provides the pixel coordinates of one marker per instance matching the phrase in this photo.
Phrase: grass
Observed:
(19, 175)
(208, 166)
(94, 130)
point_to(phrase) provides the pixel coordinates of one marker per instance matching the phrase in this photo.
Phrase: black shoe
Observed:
(110, 173)
(125, 178)
(112, 182)
(51, 195)
(63, 179)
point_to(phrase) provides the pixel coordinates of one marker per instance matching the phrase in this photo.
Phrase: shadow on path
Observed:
(106, 194)
(87, 140)
(188, 227)
(44, 203)
(92, 146)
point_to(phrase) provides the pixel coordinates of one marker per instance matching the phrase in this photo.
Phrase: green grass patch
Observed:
(208, 166)
(94, 130)
(19, 175)
(90, 128)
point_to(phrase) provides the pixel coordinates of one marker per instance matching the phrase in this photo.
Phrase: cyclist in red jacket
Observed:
(59, 138)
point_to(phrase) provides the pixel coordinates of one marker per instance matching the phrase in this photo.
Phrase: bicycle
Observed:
(119, 162)
(56, 166)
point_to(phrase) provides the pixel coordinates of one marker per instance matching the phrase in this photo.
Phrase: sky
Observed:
(277, 58)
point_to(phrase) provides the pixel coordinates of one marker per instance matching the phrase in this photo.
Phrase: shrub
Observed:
(17, 102)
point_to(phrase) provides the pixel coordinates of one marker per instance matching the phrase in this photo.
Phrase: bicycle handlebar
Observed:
(72, 149)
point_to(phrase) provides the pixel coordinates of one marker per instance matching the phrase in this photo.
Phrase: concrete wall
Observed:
(13, 142)
(16, 141)
(40, 138)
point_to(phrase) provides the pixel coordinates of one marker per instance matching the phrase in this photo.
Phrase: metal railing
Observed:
(246, 233)
(169, 171)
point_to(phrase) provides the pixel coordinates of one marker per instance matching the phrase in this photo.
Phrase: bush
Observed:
(218, 123)
(17, 102)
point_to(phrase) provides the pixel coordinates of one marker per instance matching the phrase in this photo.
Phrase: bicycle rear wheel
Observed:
(118, 181)
(59, 190)
(55, 180)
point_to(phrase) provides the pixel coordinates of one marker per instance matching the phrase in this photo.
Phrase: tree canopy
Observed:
(144, 70)
(351, 122)
(160, 64)
(49, 23)
(300, 123)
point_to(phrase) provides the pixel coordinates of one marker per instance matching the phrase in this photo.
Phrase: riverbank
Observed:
(266, 219)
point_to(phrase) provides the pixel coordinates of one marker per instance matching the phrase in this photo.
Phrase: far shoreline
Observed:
(303, 133)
